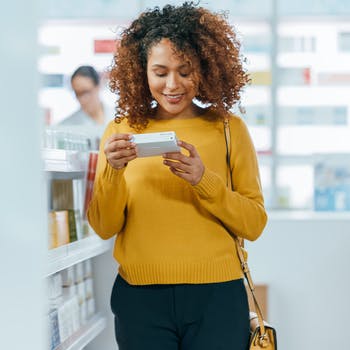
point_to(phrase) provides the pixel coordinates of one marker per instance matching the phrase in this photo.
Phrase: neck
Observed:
(97, 114)
(194, 112)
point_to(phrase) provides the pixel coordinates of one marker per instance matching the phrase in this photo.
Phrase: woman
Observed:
(180, 283)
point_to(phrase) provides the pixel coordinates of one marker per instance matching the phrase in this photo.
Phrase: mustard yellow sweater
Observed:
(168, 231)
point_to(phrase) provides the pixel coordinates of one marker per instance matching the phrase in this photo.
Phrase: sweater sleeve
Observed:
(242, 210)
(106, 211)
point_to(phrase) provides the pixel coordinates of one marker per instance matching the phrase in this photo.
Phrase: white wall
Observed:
(305, 261)
(22, 227)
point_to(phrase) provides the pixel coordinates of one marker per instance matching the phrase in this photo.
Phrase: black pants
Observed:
(212, 316)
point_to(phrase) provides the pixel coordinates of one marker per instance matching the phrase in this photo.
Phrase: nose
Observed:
(172, 81)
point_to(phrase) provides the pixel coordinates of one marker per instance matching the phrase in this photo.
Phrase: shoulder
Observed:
(78, 117)
(236, 120)
(116, 128)
(237, 125)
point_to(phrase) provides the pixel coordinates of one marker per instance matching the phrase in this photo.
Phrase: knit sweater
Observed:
(167, 230)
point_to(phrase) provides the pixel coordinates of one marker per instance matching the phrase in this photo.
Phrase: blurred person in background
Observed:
(85, 83)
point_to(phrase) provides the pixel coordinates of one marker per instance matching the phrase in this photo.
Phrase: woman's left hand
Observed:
(189, 168)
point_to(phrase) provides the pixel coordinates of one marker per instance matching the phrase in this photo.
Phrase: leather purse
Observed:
(262, 335)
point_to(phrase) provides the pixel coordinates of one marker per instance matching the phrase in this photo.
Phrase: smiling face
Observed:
(171, 82)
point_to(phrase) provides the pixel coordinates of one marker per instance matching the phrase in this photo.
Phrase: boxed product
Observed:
(332, 183)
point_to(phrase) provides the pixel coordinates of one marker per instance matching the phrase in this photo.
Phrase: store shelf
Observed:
(64, 163)
(85, 335)
(308, 215)
(73, 253)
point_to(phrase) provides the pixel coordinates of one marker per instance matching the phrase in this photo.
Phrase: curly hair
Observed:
(196, 33)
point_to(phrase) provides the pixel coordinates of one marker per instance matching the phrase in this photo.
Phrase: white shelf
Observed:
(308, 215)
(85, 335)
(73, 253)
(65, 161)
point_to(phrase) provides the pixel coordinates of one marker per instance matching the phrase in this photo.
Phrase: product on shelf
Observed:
(87, 268)
(62, 228)
(294, 76)
(68, 317)
(297, 44)
(71, 301)
(58, 228)
(55, 339)
(62, 194)
(261, 78)
(90, 178)
(55, 286)
(79, 273)
(332, 183)
(61, 138)
(67, 195)
(78, 204)
(333, 78)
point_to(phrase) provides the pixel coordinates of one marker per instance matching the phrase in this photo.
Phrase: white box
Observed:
(155, 143)
(55, 286)
(81, 292)
(83, 313)
(79, 272)
(89, 292)
(90, 307)
(87, 268)
(68, 276)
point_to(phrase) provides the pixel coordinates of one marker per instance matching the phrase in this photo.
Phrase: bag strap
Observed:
(238, 241)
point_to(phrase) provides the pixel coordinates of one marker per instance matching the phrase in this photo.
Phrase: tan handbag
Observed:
(262, 335)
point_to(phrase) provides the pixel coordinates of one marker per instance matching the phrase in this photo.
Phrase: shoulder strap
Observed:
(229, 181)
(238, 241)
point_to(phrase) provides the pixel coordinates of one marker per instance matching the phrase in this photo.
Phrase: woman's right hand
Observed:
(119, 150)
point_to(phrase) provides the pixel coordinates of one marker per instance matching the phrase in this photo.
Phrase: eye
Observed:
(160, 74)
(185, 71)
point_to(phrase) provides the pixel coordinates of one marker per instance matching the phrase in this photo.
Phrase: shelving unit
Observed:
(61, 164)
(62, 257)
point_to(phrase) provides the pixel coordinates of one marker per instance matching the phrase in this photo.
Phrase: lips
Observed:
(174, 98)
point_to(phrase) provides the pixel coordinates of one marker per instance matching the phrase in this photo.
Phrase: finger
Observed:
(178, 166)
(120, 144)
(122, 153)
(115, 145)
(116, 137)
(190, 148)
(181, 174)
(130, 158)
(178, 156)
(193, 180)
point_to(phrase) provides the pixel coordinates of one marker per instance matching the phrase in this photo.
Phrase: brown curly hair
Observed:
(197, 34)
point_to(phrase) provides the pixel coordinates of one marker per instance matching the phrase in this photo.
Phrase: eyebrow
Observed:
(162, 66)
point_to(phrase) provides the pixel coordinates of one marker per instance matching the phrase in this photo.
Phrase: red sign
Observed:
(105, 46)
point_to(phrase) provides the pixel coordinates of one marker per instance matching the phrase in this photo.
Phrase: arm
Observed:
(242, 210)
(106, 212)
